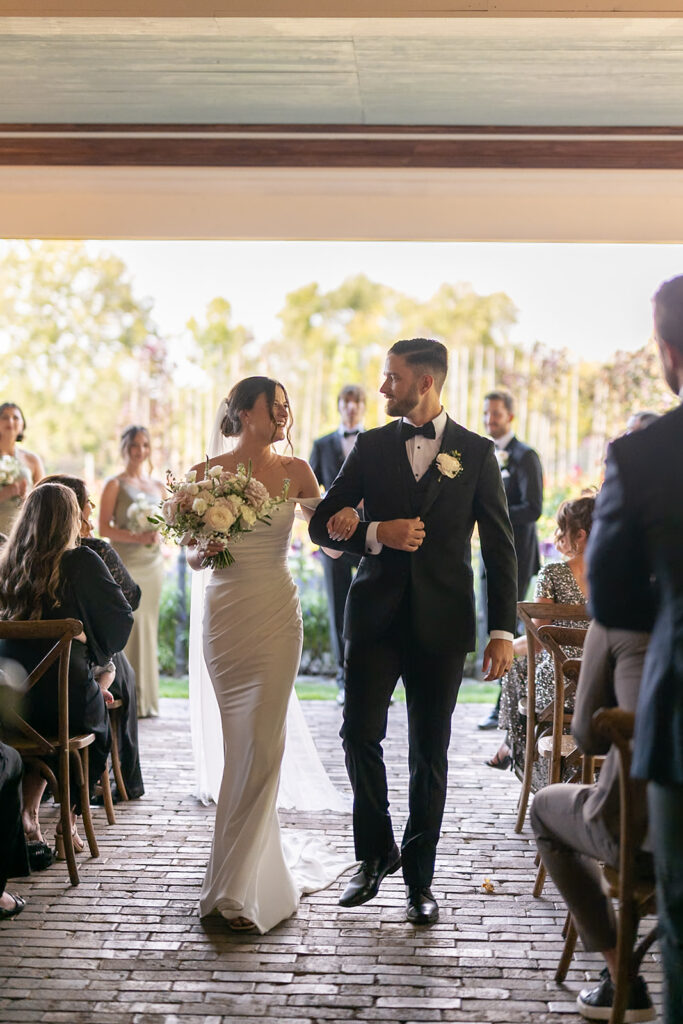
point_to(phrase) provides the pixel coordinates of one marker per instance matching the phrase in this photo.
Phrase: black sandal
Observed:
(19, 905)
(502, 763)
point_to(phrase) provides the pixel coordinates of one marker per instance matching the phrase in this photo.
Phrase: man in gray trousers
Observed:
(577, 826)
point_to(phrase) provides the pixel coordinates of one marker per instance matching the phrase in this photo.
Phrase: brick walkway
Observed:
(126, 946)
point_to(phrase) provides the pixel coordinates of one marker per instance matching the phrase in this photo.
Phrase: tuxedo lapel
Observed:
(401, 455)
(437, 482)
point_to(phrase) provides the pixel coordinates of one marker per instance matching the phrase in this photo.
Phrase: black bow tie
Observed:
(408, 430)
(351, 433)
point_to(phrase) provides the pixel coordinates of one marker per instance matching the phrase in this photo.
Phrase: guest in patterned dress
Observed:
(121, 505)
(116, 678)
(558, 583)
(30, 468)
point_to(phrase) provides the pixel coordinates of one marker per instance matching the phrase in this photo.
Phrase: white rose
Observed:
(199, 506)
(168, 510)
(248, 516)
(192, 489)
(215, 471)
(219, 518)
(448, 465)
(191, 476)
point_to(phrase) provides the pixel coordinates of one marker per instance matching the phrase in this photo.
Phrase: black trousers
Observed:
(338, 576)
(13, 853)
(431, 682)
(123, 688)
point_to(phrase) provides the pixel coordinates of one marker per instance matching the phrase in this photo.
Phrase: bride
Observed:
(252, 636)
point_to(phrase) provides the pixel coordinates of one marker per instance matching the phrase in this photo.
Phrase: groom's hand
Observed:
(402, 534)
(497, 658)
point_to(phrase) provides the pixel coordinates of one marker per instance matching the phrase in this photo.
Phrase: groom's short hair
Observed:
(424, 355)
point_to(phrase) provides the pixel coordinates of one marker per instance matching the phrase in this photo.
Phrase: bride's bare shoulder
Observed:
(227, 461)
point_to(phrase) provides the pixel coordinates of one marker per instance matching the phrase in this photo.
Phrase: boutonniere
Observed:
(502, 458)
(449, 464)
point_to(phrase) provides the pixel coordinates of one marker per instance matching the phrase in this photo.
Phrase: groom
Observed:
(425, 482)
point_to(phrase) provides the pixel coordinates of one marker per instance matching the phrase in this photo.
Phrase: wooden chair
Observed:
(71, 750)
(633, 885)
(114, 710)
(540, 722)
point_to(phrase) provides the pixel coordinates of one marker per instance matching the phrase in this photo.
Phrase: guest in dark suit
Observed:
(424, 481)
(327, 458)
(522, 475)
(636, 583)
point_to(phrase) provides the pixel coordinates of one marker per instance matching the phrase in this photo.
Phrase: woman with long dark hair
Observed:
(46, 574)
(116, 677)
(123, 520)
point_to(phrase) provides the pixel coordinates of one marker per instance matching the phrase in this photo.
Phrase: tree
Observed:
(79, 349)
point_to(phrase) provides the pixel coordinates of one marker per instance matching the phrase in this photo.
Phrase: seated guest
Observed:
(557, 583)
(116, 679)
(577, 826)
(46, 574)
(13, 852)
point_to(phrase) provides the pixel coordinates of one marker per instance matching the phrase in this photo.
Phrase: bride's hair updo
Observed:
(242, 398)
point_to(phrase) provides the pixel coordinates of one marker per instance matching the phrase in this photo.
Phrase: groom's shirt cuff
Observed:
(500, 634)
(372, 545)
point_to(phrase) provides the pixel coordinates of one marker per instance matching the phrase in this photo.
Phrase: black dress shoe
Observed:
(365, 884)
(421, 907)
(491, 722)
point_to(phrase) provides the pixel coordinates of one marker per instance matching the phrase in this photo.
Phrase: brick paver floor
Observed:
(126, 946)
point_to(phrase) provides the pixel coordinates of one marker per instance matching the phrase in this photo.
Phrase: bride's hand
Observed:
(214, 547)
(342, 525)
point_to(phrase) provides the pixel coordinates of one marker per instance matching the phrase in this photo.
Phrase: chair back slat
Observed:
(63, 631)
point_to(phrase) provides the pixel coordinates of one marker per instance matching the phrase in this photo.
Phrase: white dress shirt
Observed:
(347, 443)
(421, 452)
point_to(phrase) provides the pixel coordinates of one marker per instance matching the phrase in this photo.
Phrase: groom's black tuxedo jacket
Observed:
(438, 575)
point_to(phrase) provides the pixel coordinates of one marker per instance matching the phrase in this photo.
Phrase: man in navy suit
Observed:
(635, 571)
(327, 458)
(425, 482)
(522, 475)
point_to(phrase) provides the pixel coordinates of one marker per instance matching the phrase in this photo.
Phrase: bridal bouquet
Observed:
(219, 508)
(10, 470)
(140, 514)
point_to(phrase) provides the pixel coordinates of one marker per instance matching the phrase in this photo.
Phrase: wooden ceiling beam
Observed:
(341, 146)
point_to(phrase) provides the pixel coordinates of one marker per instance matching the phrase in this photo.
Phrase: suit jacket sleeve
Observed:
(530, 481)
(497, 546)
(595, 690)
(316, 461)
(347, 490)
(618, 571)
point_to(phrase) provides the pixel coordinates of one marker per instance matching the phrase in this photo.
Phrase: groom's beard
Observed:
(403, 406)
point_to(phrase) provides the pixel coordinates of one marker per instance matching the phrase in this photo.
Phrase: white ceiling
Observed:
(621, 72)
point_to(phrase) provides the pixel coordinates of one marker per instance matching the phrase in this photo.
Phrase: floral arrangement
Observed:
(449, 464)
(10, 470)
(140, 513)
(219, 508)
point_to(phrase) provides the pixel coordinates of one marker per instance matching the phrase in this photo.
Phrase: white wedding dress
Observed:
(252, 635)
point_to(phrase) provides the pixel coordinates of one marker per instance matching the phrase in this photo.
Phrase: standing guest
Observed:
(635, 564)
(522, 475)
(13, 852)
(425, 482)
(28, 469)
(126, 499)
(46, 574)
(327, 458)
(116, 678)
